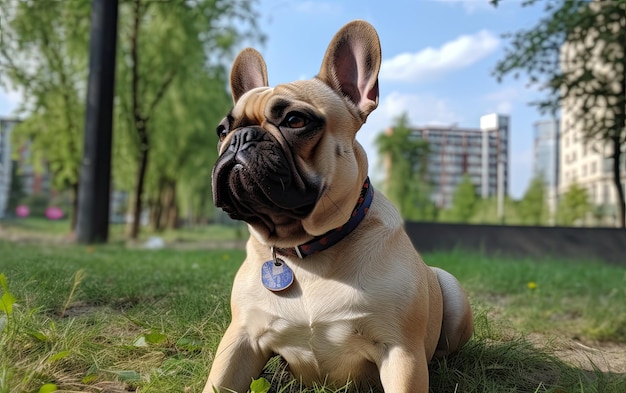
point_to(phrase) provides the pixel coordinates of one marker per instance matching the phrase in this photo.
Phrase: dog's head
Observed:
(289, 164)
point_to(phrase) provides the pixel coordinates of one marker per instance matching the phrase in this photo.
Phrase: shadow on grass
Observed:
(493, 361)
(516, 366)
(487, 366)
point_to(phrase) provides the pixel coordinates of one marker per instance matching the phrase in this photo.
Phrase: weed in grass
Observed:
(78, 278)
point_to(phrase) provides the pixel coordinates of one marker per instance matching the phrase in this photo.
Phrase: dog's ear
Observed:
(351, 65)
(249, 71)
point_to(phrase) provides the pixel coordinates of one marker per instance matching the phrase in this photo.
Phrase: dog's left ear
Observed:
(249, 71)
(351, 65)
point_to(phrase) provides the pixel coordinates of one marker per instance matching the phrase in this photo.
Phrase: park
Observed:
(112, 318)
(116, 267)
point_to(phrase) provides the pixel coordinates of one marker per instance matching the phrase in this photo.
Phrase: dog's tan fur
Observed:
(366, 310)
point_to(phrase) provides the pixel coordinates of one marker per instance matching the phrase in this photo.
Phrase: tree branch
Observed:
(160, 93)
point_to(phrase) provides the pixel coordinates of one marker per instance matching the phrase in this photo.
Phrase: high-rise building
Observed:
(546, 158)
(481, 153)
(5, 162)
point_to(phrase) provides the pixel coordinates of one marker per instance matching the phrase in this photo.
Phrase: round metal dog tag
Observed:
(276, 275)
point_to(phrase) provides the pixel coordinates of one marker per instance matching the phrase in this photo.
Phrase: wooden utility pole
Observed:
(95, 176)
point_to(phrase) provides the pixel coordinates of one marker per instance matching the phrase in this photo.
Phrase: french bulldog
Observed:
(331, 281)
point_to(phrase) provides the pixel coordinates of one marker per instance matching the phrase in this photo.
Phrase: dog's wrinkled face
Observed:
(288, 161)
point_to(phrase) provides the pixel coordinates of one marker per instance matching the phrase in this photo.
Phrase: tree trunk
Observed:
(155, 214)
(169, 217)
(172, 206)
(617, 181)
(619, 136)
(157, 207)
(140, 121)
(74, 212)
(133, 228)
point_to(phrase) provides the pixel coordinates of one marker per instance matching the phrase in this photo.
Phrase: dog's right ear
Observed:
(249, 71)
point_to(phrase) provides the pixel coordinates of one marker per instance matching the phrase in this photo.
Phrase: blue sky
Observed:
(437, 61)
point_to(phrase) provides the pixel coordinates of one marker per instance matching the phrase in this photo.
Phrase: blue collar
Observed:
(334, 236)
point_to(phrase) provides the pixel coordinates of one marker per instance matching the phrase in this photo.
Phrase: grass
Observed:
(42, 229)
(117, 319)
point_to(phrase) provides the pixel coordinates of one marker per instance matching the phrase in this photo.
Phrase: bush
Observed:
(37, 204)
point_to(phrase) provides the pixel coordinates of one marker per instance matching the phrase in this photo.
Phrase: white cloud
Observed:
(420, 109)
(433, 62)
(504, 100)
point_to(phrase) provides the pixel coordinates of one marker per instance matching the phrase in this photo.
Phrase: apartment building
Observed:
(482, 153)
(584, 160)
(589, 163)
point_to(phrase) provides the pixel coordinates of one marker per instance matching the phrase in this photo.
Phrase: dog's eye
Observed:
(295, 120)
(221, 132)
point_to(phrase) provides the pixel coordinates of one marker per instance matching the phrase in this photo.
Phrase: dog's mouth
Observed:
(255, 180)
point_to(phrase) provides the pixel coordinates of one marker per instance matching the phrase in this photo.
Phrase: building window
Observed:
(593, 193)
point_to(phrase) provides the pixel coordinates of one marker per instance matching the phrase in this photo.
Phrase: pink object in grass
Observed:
(54, 213)
(22, 211)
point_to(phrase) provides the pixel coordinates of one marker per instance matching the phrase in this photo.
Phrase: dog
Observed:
(331, 281)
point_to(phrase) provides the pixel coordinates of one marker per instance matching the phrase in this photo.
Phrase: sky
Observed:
(438, 57)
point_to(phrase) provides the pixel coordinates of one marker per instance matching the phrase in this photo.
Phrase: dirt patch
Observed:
(592, 356)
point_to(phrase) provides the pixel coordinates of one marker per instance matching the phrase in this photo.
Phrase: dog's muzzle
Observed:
(254, 178)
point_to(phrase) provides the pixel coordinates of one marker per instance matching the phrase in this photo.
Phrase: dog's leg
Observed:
(236, 363)
(457, 326)
(402, 371)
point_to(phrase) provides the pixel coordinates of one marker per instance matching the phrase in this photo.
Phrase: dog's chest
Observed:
(335, 328)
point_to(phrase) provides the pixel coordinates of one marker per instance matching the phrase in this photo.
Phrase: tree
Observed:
(464, 201)
(16, 191)
(162, 46)
(163, 42)
(577, 53)
(486, 212)
(407, 182)
(185, 149)
(43, 52)
(532, 208)
(573, 206)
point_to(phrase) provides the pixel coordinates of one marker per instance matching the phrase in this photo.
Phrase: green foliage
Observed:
(573, 206)
(170, 88)
(464, 201)
(37, 204)
(407, 183)
(532, 208)
(42, 52)
(48, 388)
(7, 300)
(486, 212)
(16, 193)
(260, 385)
(576, 54)
(172, 57)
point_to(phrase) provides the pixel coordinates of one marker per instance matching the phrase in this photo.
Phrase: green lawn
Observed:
(108, 318)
